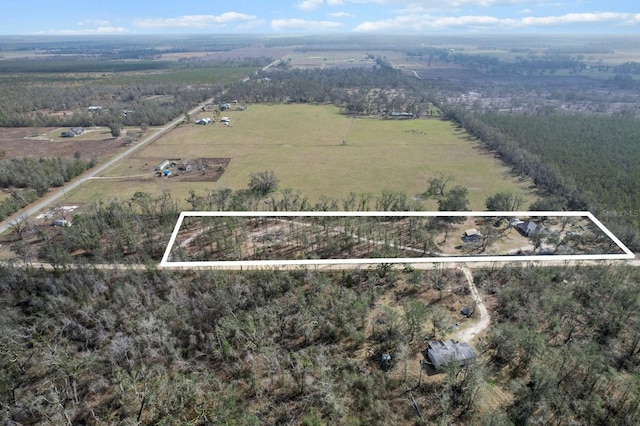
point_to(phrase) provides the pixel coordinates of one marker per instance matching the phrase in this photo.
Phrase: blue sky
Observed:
(88, 17)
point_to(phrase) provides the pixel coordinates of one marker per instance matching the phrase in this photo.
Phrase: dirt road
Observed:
(484, 321)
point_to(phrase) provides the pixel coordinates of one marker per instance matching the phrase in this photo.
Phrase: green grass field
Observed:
(303, 144)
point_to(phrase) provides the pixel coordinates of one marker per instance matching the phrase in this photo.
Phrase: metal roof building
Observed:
(442, 352)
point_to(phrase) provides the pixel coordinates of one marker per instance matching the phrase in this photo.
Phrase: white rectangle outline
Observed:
(165, 263)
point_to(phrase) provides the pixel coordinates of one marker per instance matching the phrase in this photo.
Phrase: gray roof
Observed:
(528, 228)
(441, 352)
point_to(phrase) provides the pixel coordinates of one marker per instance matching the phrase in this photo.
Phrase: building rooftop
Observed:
(442, 352)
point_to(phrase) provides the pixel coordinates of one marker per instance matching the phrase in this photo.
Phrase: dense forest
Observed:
(573, 144)
(580, 162)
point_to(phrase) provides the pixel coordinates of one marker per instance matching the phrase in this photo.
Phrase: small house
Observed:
(402, 115)
(528, 228)
(165, 164)
(440, 353)
(73, 132)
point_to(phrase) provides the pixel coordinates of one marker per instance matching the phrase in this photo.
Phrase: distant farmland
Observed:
(320, 152)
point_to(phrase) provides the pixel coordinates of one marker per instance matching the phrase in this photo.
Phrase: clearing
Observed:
(46, 142)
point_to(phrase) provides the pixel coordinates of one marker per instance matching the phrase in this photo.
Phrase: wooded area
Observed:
(29, 179)
(87, 346)
(560, 154)
(567, 340)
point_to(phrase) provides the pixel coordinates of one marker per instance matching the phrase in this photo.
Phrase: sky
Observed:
(94, 17)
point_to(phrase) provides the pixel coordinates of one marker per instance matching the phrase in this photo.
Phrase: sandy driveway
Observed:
(469, 333)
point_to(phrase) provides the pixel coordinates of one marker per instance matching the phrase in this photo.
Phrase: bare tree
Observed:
(20, 226)
(262, 183)
(437, 184)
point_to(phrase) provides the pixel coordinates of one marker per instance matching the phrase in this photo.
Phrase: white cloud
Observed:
(341, 15)
(581, 18)
(310, 4)
(89, 31)
(432, 4)
(303, 24)
(196, 21)
(476, 22)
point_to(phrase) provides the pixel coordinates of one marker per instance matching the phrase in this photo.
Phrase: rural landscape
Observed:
(106, 141)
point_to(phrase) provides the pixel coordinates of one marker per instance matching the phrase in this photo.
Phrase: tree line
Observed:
(58, 92)
(134, 230)
(361, 91)
(28, 106)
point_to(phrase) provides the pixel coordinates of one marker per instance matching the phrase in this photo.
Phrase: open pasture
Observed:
(319, 152)
(329, 58)
(46, 142)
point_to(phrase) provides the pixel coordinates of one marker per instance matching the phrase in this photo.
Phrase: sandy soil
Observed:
(483, 323)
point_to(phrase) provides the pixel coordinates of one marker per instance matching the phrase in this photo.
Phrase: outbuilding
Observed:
(471, 235)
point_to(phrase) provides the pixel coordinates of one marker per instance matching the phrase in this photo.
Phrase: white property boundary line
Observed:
(165, 263)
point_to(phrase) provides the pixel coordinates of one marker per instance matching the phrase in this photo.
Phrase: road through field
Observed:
(61, 192)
